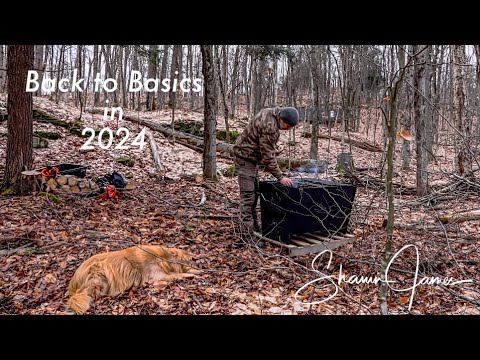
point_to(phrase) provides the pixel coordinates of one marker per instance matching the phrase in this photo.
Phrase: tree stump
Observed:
(30, 182)
(345, 163)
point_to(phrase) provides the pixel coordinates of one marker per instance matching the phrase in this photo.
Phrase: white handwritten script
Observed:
(355, 279)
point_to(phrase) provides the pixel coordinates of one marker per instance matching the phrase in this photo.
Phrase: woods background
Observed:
(409, 114)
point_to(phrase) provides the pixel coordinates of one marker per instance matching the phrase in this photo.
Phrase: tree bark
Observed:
(175, 67)
(39, 66)
(163, 74)
(210, 122)
(152, 72)
(463, 161)
(96, 96)
(314, 70)
(392, 129)
(222, 82)
(233, 92)
(19, 108)
(2, 67)
(420, 121)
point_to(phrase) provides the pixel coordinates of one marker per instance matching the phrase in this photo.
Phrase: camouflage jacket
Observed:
(259, 139)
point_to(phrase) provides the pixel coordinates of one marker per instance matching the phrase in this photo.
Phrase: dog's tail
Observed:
(80, 301)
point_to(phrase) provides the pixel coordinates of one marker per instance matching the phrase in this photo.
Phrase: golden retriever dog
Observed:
(112, 273)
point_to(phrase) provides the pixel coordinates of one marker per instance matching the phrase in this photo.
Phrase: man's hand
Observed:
(286, 181)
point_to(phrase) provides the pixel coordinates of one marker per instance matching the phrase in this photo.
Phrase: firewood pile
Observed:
(70, 183)
(74, 184)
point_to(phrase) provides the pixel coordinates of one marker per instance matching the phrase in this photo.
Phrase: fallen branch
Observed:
(153, 147)
(460, 217)
(203, 199)
(194, 142)
(203, 216)
(360, 144)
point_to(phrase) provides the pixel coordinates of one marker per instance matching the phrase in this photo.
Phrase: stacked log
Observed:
(74, 184)
(71, 183)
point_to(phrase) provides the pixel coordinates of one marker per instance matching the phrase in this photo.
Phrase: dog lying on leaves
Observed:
(112, 273)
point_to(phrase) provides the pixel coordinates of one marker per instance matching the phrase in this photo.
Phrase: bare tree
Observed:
(222, 82)
(152, 71)
(391, 121)
(174, 71)
(421, 116)
(210, 121)
(163, 74)
(2, 68)
(96, 61)
(19, 108)
(463, 161)
(39, 65)
(234, 82)
(312, 57)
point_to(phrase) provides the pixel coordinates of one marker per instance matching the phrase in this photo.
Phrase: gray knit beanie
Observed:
(289, 115)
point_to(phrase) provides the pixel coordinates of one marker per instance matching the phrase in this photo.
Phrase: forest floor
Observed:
(43, 242)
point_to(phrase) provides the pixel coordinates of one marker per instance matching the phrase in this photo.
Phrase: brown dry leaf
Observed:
(256, 309)
(49, 278)
(210, 291)
(199, 178)
(270, 299)
(212, 305)
(404, 134)
(275, 310)
(160, 285)
(404, 300)
(242, 307)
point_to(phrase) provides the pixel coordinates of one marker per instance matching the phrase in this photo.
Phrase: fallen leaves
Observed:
(241, 281)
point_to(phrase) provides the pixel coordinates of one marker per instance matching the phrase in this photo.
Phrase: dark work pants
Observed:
(249, 191)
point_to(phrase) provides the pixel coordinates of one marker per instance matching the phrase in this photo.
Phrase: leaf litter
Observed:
(42, 243)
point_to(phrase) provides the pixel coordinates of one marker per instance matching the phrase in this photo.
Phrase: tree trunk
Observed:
(259, 87)
(420, 120)
(406, 118)
(477, 76)
(246, 80)
(210, 122)
(163, 74)
(19, 108)
(152, 72)
(233, 91)
(222, 83)
(174, 70)
(313, 56)
(39, 66)
(392, 129)
(60, 66)
(79, 64)
(463, 161)
(190, 74)
(2, 67)
(96, 96)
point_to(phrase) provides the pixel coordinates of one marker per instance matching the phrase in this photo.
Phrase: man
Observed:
(256, 145)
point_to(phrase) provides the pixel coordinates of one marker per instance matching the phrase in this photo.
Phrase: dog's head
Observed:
(180, 254)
